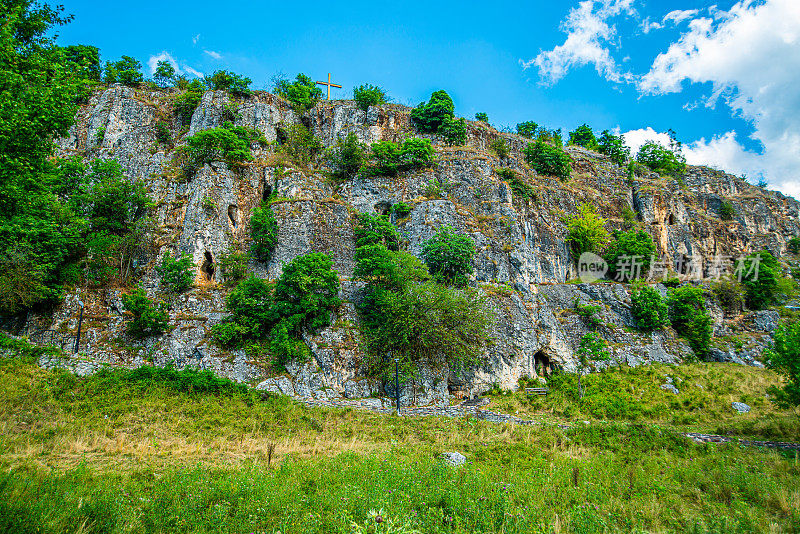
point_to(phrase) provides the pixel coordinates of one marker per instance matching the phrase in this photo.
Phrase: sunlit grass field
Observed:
(116, 453)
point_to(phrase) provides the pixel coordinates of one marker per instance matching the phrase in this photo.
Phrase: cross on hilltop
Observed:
(329, 84)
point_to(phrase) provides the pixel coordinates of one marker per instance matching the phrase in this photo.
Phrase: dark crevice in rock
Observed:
(208, 266)
(233, 215)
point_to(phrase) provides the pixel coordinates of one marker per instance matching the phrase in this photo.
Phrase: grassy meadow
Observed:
(124, 452)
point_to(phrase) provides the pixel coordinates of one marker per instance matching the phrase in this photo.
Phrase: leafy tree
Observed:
(388, 269)
(592, 348)
(528, 129)
(548, 159)
(347, 157)
(127, 71)
(374, 230)
(429, 117)
(583, 136)
(164, 75)
(661, 159)
(227, 143)
(454, 131)
(251, 310)
(586, 231)
(500, 148)
(223, 80)
(303, 93)
(86, 60)
(794, 245)
(629, 254)
(482, 117)
(369, 95)
(390, 158)
(614, 147)
(401, 210)
(264, 232)
(300, 145)
(188, 100)
(726, 211)
(759, 274)
(784, 357)
(689, 317)
(146, 318)
(234, 266)
(648, 308)
(730, 294)
(176, 274)
(448, 255)
(114, 202)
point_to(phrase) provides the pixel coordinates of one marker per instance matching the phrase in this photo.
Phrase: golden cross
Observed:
(329, 84)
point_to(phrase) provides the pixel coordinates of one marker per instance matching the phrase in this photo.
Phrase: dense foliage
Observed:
(586, 231)
(369, 95)
(482, 117)
(429, 117)
(188, 100)
(388, 158)
(234, 264)
(164, 75)
(629, 254)
(690, 318)
(760, 275)
(454, 131)
(729, 293)
(521, 188)
(127, 71)
(448, 255)
(177, 274)
(794, 245)
(649, 309)
(500, 148)
(784, 357)
(303, 93)
(227, 143)
(300, 144)
(223, 80)
(614, 147)
(548, 159)
(726, 211)
(665, 160)
(374, 230)
(146, 318)
(583, 136)
(263, 232)
(347, 157)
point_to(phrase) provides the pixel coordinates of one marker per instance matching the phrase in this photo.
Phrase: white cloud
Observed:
(647, 25)
(152, 63)
(751, 56)
(215, 55)
(678, 16)
(589, 35)
(636, 138)
(195, 39)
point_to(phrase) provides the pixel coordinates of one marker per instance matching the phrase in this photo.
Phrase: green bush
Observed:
(454, 131)
(482, 117)
(794, 245)
(162, 133)
(222, 80)
(448, 255)
(299, 144)
(500, 148)
(86, 60)
(164, 76)
(629, 254)
(689, 317)
(390, 158)
(429, 117)
(648, 308)
(548, 159)
(264, 232)
(730, 294)
(369, 95)
(303, 93)
(401, 210)
(127, 71)
(784, 357)
(227, 143)
(252, 314)
(516, 181)
(147, 319)
(662, 159)
(760, 274)
(528, 129)
(234, 265)
(583, 136)
(189, 380)
(188, 100)
(588, 312)
(376, 229)
(726, 211)
(614, 147)
(177, 274)
(347, 157)
(586, 231)
(388, 269)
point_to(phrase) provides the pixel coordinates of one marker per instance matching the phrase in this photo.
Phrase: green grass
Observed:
(118, 454)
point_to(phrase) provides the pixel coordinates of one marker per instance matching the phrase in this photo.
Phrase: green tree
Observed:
(448, 255)
(592, 348)
(176, 274)
(264, 232)
(347, 157)
(146, 318)
(454, 131)
(784, 357)
(164, 75)
(429, 117)
(127, 71)
(648, 308)
(389, 158)
(388, 269)
(726, 211)
(794, 245)
(86, 60)
(188, 100)
(223, 80)
(583, 136)
(586, 231)
(629, 254)
(252, 314)
(689, 317)
(369, 95)
(227, 143)
(303, 93)
(482, 117)
(661, 159)
(376, 229)
(500, 148)
(528, 129)
(548, 159)
(759, 274)
(614, 147)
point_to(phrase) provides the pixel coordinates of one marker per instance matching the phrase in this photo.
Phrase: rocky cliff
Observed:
(523, 262)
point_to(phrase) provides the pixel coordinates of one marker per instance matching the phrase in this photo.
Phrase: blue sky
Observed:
(557, 63)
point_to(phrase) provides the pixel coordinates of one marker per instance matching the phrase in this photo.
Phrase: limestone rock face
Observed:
(523, 261)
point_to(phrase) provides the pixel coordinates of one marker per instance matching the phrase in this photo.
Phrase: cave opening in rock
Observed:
(541, 363)
(383, 207)
(671, 219)
(280, 136)
(233, 215)
(265, 196)
(208, 266)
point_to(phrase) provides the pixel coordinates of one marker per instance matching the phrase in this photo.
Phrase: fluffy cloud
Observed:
(751, 56)
(152, 63)
(678, 16)
(214, 55)
(589, 35)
